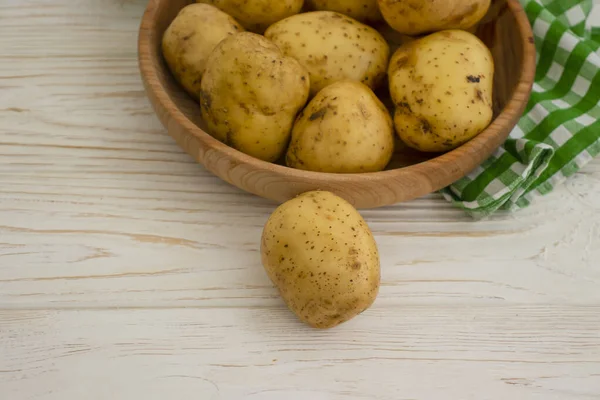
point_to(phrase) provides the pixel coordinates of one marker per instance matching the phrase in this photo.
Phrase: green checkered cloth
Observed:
(560, 130)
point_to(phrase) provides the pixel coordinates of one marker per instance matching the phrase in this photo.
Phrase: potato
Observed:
(360, 10)
(344, 129)
(251, 94)
(258, 15)
(321, 255)
(189, 40)
(442, 88)
(332, 47)
(415, 17)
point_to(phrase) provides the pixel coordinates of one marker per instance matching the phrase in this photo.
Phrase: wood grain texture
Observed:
(509, 37)
(128, 271)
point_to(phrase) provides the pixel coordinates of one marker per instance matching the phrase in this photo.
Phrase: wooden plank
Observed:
(414, 352)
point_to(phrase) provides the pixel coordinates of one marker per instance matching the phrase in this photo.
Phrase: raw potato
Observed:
(332, 47)
(360, 10)
(344, 129)
(189, 40)
(415, 17)
(251, 94)
(322, 257)
(258, 15)
(442, 88)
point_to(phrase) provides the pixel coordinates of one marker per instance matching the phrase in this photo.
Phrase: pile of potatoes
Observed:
(295, 81)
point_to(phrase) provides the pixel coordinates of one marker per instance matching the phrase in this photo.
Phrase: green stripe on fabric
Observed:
(555, 32)
(570, 72)
(595, 35)
(594, 45)
(559, 7)
(475, 188)
(565, 154)
(530, 146)
(557, 118)
(579, 29)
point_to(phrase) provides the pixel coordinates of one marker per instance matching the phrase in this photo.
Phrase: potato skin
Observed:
(442, 87)
(251, 94)
(360, 10)
(321, 255)
(344, 129)
(332, 47)
(415, 17)
(258, 15)
(189, 40)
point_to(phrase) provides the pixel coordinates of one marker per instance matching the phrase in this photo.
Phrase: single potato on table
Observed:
(360, 10)
(344, 129)
(321, 255)
(251, 94)
(332, 47)
(415, 17)
(441, 86)
(189, 40)
(257, 15)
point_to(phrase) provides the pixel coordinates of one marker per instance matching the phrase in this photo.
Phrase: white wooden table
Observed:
(129, 272)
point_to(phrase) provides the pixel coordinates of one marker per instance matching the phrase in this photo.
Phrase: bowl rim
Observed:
(494, 135)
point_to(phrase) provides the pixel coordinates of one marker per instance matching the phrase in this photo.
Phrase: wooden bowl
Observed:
(505, 30)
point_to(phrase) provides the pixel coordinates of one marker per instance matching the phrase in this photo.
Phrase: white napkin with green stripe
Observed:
(560, 130)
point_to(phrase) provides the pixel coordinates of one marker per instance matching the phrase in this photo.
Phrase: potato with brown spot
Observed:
(332, 47)
(441, 86)
(321, 255)
(189, 40)
(344, 129)
(251, 94)
(416, 17)
(360, 10)
(258, 15)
